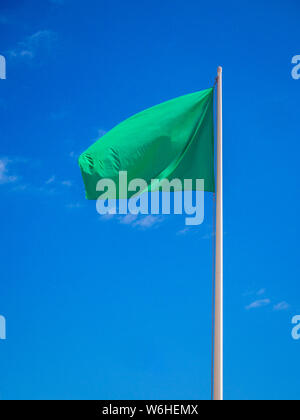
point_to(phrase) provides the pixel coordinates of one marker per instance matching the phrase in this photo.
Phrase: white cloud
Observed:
(253, 292)
(49, 186)
(67, 183)
(129, 219)
(141, 222)
(261, 292)
(107, 217)
(148, 222)
(282, 306)
(5, 177)
(183, 232)
(50, 180)
(33, 44)
(258, 304)
(21, 187)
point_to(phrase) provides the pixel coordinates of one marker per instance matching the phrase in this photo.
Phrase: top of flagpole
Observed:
(220, 70)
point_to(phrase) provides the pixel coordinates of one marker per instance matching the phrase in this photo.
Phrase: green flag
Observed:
(173, 140)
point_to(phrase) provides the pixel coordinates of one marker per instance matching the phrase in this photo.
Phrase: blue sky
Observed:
(115, 309)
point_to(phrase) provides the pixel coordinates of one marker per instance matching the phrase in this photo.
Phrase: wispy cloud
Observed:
(129, 219)
(258, 304)
(25, 180)
(5, 176)
(50, 180)
(67, 183)
(34, 189)
(282, 306)
(53, 180)
(254, 292)
(261, 292)
(183, 232)
(148, 222)
(33, 44)
(140, 222)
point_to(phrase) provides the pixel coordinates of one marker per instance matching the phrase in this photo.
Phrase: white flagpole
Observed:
(218, 330)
